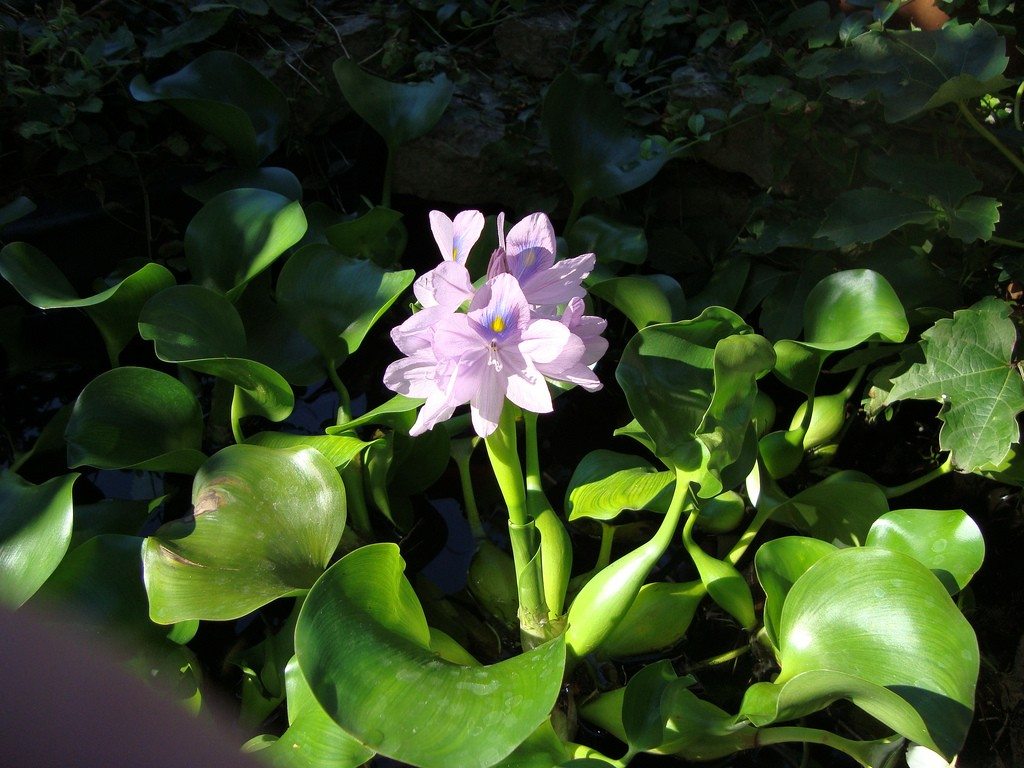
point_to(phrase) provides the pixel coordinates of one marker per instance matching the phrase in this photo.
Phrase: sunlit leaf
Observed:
(364, 647)
(228, 97)
(238, 234)
(974, 219)
(136, 418)
(947, 541)
(850, 307)
(968, 367)
(337, 449)
(878, 628)
(839, 509)
(200, 329)
(657, 619)
(35, 530)
(264, 525)
(644, 299)
(779, 563)
(606, 483)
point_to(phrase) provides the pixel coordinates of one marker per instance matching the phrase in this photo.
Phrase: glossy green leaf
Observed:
(364, 647)
(642, 719)
(875, 627)
(335, 300)
(136, 418)
(313, 739)
(779, 563)
(238, 234)
(35, 530)
(227, 96)
(657, 619)
(111, 516)
(399, 112)
(200, 329)
(114, 311)
(279, 180)
(644, 299)
(850, 307)
(691, 387)
(386, 413)
(264, 525)
(946, 541)
(721, 513)
(725, 585)
(968, 367)
(914, 71)
(606, 483)
(839, 509)
(595, 150)
(542, 749)
(609, 240)
(337, 449)
(378, 235)
(866, 215)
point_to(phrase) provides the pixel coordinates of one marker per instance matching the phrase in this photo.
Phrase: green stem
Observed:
(721, 658)
(236, 417)
(898, 490)
(355, 494)
(867, 753)
(556, 546)
(345, 402)
(1016, 107)
(990, 137)
(504, 455)
(604, 554)
(848, 390)
(1006, 241)
(462, 451)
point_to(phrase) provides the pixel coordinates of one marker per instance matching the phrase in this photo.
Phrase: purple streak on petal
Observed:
(528, 262)
(500, 299)
(560, 283)
(447, 284)
(535, 231)
(467, 228)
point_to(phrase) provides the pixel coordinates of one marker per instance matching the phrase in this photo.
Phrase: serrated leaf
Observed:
(974, 219)
(968, 367)
(914, 71)
(923, 176)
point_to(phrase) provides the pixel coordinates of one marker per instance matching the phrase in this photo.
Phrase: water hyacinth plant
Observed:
(657, 487)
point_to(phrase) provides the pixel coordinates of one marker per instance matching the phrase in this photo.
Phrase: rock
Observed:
(537, 46)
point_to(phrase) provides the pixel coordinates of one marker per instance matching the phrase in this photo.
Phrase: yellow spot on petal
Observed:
(498, 324)
(455, 253)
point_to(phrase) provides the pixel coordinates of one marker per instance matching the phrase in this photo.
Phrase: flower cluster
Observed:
(524, 325)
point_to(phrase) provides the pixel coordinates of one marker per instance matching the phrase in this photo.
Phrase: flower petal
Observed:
(486, 403)
(414, 376)
(447, 284)
(529, 391)
(535, 231)
(444, 233)
(467, 226)
(501, 230)
(417, 332)
(455, 335)
(560, 283)
(545, 341)
(434, 411)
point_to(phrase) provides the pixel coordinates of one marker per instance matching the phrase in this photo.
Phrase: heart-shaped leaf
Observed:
(779, 563)
(850, 307)
(264, 525)
(363, 617)
(596, 152)
(313, 739)
(114, 311)
(968, 367)
(335, 300)
(200, 329)
(238, 234)
(35, 530)
(607, 483)
(136, 418)
(691, 387)
(947, 541)
(228, 97)
(399, 112)
(875, 627)
(378, 235)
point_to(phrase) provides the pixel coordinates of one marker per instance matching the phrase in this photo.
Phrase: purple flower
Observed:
(483, 356)
(448, 284)
(588, 330)
(528, 254)
(456, 238)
